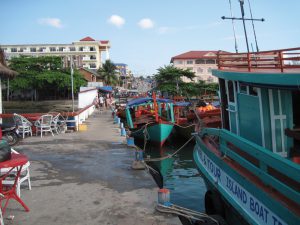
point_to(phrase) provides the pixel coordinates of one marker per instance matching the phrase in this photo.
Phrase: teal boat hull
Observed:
(243, 201)
(157, 133)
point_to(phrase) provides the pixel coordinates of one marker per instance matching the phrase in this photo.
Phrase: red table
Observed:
(9, 192)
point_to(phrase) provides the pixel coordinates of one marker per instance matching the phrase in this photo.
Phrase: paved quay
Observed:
(85, 178)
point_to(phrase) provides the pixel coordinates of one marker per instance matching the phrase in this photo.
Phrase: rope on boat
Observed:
(187, 213)
(168, 156)
(183, 126)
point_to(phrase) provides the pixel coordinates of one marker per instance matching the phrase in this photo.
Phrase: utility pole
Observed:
(243, 19)
(72, 83)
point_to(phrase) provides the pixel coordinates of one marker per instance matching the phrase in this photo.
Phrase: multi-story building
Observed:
(200, 62)
(124, 73)
(86, 53)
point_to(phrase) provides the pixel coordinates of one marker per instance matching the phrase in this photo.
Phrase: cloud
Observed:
(53, 22)
(146, 23)
(116, 20)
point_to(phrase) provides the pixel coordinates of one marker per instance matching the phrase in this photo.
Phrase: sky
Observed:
(147, 34)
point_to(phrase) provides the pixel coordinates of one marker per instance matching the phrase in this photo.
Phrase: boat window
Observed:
(252, 91)
(230, 91)
(243, 88)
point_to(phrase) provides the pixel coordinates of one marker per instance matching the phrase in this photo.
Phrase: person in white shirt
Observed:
(101, 101)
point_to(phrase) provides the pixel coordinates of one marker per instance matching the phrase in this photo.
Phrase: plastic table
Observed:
(9, 192)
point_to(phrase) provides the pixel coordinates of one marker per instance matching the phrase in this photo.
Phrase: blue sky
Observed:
(146, 34)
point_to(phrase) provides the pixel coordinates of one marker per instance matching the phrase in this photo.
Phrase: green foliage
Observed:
(43, 73)
(169, 79)
(108, 73)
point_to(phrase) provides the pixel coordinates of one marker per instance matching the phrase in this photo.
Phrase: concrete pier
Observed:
(86, 178)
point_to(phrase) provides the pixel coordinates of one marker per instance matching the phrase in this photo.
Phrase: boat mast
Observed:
(244, 23)
(253, 26)
(233, 27)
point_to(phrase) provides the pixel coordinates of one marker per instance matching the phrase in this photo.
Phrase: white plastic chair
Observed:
(24, 125)
(25, 175)
(43, 124)
(54, 124)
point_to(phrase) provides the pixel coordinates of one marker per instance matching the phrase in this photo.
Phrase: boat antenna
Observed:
(257, 49)
(243, 19)
(233, 28)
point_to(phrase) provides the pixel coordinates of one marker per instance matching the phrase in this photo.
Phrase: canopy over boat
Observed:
(140, 101)
(182, 104)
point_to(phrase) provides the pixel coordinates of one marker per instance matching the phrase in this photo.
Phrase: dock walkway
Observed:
(85, 178)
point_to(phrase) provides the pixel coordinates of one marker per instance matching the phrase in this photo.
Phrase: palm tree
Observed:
(108, 73)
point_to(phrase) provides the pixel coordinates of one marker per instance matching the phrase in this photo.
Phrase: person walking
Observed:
(101, 101)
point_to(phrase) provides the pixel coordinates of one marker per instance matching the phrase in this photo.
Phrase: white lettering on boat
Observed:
(249, 204)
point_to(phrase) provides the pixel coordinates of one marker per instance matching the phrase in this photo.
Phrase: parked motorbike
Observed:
(10, 133)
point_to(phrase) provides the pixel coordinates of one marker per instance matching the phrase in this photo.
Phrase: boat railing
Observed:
(272, 169)
(283, 60)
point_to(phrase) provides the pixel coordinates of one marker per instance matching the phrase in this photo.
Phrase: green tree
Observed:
(45, 75)
(169, 79)
(108, 73)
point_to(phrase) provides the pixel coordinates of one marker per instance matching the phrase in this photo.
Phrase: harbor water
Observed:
(180, 174)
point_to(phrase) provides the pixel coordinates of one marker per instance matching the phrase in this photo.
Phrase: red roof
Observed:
(87, 39)
(196, 55)
(104, 42)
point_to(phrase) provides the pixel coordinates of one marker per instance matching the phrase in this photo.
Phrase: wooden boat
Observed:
(251, 166)
(150, 118)
(186, 121)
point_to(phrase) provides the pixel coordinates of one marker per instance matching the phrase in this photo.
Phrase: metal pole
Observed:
(233, 27)
(253, 27)
(244, 25)
(72, 83)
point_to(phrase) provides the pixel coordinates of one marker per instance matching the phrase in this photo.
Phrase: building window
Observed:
(81, 49)
(32, 49)
(52, 49)
(189, 62)
(200, 61)
(209, 70)
(93, 66)
(13, 49)
(93, 57)
(178, 62)
(72, 49)
(22, 49)
(92, 49)
(199, 70)
(210, 61)
(42, 49)
(61, 49)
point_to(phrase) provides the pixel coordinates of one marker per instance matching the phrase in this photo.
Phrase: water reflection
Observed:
(180, 174)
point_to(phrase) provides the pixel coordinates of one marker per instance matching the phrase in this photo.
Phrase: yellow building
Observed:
(200, 62)
(87, 53)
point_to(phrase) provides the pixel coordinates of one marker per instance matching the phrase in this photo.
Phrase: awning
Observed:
(107, 89)
(140, 101)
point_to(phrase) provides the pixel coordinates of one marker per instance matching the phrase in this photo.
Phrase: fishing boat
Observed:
(150, 119)
(251, 165)
(187, 122)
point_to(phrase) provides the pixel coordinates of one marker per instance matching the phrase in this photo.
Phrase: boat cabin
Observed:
(260, 98)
